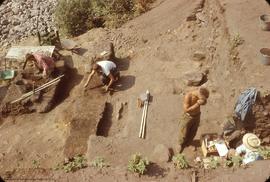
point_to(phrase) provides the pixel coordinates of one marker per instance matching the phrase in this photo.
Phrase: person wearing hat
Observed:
(249, 148)
(190, 119)
(107, 71)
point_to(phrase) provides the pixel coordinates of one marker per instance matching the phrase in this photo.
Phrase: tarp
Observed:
(245, 102)
(19, 52)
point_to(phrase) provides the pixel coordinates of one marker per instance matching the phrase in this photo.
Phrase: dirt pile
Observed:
(261, 112)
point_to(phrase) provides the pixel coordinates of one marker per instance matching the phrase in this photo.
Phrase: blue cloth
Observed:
(245, 102)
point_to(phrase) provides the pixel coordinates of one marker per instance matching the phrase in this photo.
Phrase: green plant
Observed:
(265, 152)
(141, 6)
(73, 16)
(77, 16)
(234, 161)
(236, 41)
(213, 163)
(35, 163)
(180, 161)
(99, 162)
(137, 164)
(74, 164)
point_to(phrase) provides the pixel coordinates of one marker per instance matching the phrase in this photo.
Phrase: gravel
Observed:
(20, 19)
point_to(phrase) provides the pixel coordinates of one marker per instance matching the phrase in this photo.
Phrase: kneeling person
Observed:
(107, 70)
(44, 63)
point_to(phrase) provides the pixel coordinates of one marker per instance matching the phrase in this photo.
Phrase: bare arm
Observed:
(112, 79)
(187, 104)
(89, 78)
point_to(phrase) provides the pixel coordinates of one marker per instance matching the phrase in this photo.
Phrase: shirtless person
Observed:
(191, 116)
(107, 71)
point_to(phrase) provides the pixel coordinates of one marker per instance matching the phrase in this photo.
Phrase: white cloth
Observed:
(250, 156)
(106, 66)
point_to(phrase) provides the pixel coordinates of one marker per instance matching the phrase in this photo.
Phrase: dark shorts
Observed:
(105, 79)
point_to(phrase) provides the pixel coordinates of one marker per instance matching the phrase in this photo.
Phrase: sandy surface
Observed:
(155, 50)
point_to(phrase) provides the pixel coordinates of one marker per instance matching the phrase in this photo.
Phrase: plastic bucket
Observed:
(265, 22)
(7, 74)
(265, 56)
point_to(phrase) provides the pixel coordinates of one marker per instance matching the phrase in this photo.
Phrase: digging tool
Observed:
(46, 85)
(142, 121)
(145, 99)
(145, 116)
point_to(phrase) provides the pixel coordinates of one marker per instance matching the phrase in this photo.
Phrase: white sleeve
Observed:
(241, 149)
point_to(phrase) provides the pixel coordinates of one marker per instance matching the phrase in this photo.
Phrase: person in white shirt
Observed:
(249, 148)
(107, 70)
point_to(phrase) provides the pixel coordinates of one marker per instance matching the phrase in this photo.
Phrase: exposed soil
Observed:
(154, 51)
(261, 119)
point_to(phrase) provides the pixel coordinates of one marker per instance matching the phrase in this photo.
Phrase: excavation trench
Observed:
(105, 122)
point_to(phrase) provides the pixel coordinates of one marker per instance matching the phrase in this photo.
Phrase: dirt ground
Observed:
(154, 51)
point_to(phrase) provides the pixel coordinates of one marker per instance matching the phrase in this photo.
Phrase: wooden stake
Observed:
(145, 117)
(46, 85)
(142, 121)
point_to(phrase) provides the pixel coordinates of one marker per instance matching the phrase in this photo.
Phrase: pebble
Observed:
(193, 78)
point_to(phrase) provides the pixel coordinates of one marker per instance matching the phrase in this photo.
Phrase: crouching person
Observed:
(249, 148)
(44, 63)
(107, 71)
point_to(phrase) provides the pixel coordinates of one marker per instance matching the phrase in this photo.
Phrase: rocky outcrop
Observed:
(20, 19)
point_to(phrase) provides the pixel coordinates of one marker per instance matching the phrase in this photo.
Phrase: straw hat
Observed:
(251, 141)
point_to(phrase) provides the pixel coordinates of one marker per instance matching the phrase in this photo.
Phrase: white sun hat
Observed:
(251, 141)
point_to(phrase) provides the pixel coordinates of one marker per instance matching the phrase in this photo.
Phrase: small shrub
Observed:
(99, 162)
(141, 6)
(73, 16)
(234, 161)
(264, 152)
(74, 164)
(36, 164)
(77, 16)
(180, 161)
(213, 163)
(236, 41)
(137, 164)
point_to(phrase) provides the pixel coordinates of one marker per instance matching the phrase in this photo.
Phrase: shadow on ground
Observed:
(122, 63)
(154, 170)
(125, 82)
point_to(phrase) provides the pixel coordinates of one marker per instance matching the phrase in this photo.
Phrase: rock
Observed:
(201, 17)
(161, 154)
(193, 78)
(16, 22)
(24, 13)
(198, 56)
(5, 31)
(15, 10)
(192, 17)
(4, 22)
